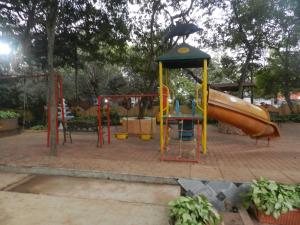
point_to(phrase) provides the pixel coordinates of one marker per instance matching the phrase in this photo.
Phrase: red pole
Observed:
(56, 98)
(62, 107)
(198, 140)
(100, 138)
(108, 121)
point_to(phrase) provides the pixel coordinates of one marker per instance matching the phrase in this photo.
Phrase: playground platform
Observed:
(229, 157)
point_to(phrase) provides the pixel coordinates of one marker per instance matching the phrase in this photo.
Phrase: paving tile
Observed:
(272, 175)
(236, 174)
(232, 153)
(205, 172)
(161, 169)
(293, 175)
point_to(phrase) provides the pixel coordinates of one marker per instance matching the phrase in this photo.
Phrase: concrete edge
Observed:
(88, 174)
(17, 183)
(245, 217)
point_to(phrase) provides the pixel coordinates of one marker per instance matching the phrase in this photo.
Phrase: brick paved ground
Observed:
(230, 157)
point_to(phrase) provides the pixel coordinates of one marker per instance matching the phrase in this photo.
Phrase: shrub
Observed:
(273, 198)
(193, 211)
(38, 127)
(294, 118)
(8, 115)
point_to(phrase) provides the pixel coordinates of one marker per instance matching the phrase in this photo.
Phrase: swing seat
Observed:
(121, 136)
(146, 137)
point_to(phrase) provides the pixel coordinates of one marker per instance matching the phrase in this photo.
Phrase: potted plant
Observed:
(275, 203)
(8, 120)
(193, 211)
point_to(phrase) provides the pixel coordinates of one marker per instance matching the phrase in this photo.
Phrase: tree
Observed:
(18, 20)
(80, 27)
(151, 22)
(284, 40)
(99, 33)
(51, 17)
(244, 32)
(273, 78)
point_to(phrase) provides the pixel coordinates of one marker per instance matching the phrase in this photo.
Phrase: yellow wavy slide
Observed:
(253, 120)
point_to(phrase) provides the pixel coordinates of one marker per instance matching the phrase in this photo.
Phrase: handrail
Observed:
(167, 95)
(197, 97)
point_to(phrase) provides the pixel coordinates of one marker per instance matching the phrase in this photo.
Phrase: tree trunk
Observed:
(51, 24)
(286, 94)
(286, 75)
(252, 88)
(76, 76)
(26, 39)
(244, 72)
(275, 99)
(249, 48)
(143, 104)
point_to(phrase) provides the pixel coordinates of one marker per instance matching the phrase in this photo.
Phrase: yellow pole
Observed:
(161, 107)
(167, 109)
(204, 106)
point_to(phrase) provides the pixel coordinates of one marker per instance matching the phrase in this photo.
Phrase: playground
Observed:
(212, 143)
(178, 137)
(152, 130)
(229, 157)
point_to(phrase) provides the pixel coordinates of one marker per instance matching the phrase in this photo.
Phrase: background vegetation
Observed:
(110, 47)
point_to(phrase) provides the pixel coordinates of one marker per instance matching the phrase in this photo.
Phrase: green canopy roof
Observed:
(183, 56)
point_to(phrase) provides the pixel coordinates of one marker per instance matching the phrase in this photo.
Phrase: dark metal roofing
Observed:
(184, 56)
(230, 86)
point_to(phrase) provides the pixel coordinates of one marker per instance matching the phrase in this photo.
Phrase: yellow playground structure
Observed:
(191, 129)
(183, 56)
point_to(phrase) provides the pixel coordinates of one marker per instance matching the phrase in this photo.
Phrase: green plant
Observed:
(294, 118)
(297, 197)
(273, 198)
(114, 118)
(82, 123)
(193, 211)
(8, 115)
(286, 118)
(38, 127)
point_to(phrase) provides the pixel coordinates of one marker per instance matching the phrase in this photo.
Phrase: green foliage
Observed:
(85, 122)
(114, 118)
(83, 27)
(277, 76)
(182, 88)
(279, 118)
(193, 211)
(38, 127)
(8, 115)
(294, 118)
(12, 93)
(286, 118)
(273, 198)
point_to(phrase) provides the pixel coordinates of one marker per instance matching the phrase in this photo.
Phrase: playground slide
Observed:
(253, 120)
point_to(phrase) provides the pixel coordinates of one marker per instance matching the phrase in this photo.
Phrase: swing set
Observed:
(58, 99)
(104, 104)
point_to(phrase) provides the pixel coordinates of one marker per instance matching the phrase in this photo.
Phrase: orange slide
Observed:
(253, 120)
